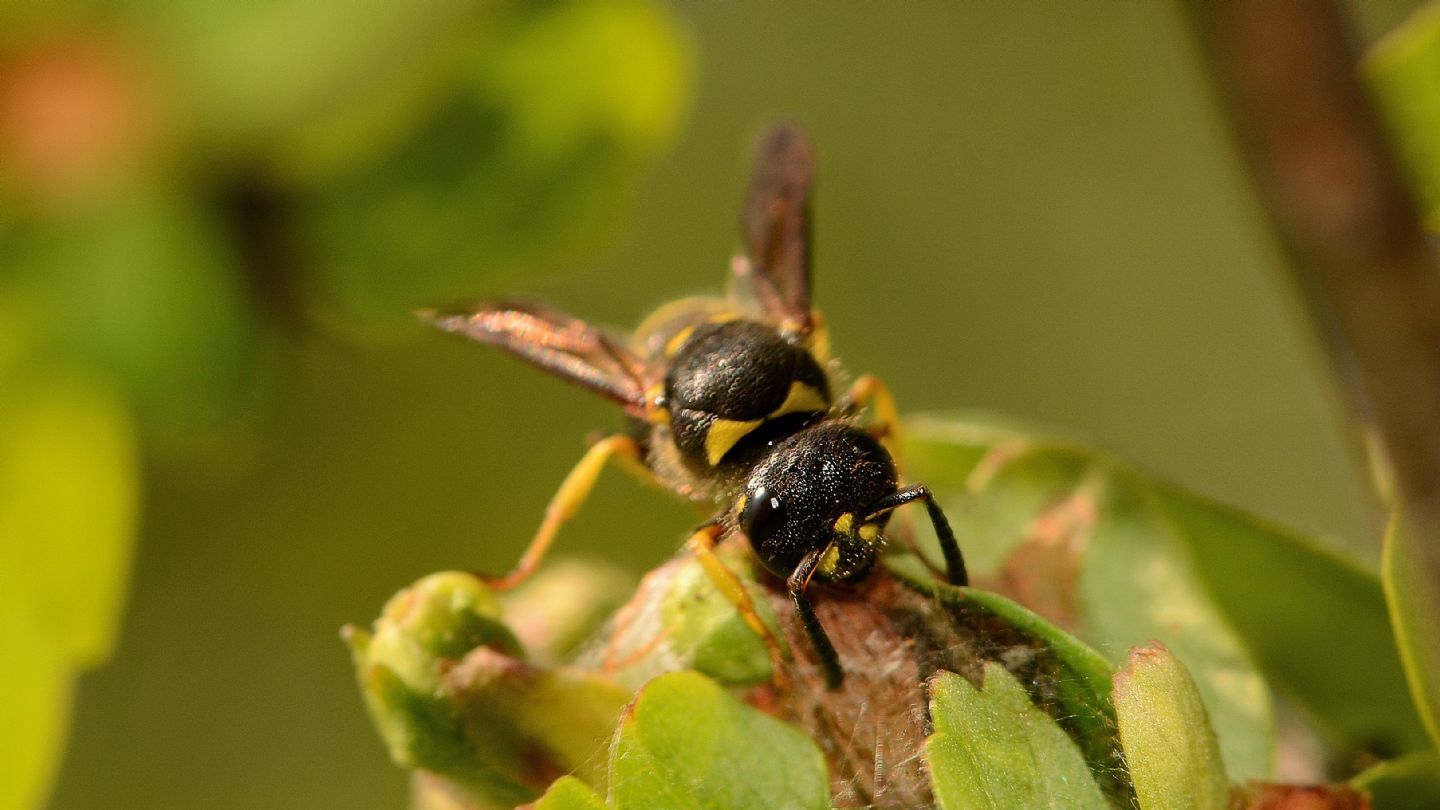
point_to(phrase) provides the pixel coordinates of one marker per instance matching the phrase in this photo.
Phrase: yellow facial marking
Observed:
(672, 346)
(870, 532)
(844, 523)
(829, 561)
(801, 398)
(724, 434)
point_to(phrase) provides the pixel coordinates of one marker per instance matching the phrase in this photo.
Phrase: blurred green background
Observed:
(216, 218)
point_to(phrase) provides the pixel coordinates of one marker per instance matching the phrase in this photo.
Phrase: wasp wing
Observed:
(556, 342)
(777, 226)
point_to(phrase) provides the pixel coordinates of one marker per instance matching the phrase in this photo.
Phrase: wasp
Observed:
(731, 403)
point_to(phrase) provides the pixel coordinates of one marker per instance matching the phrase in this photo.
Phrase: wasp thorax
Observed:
(728, 380)
(813, 493)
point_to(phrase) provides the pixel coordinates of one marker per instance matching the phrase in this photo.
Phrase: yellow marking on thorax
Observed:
(801, 398)
(870, 532)
(844, 523)
(829, 561)
(672, 346)
(725, 434)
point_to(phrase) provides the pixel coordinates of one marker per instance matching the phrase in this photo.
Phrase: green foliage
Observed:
(326, 160)
(1404, 70)
(68, 497)
(992, 749)
(442, 678)
(1170, 749)
(1216, 586)
(1082, 676)
(1039, 515)
(679, 620)
(1413, 599)
(1409, 783)
(569, 793)
(686, 743)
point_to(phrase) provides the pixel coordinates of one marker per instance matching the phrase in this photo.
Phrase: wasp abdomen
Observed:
(728, 380)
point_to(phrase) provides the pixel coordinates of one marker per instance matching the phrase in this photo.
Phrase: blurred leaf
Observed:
(556, 718)
(1414, 608)
(686, 743)
(994, 749)
(1404, 70)
(143, 287)
(68, 503)
(1410, 783)
(623, 65)
(38, 682)
(1139, 583)
(1170, 749)
(1286, 598)
(569, 793)
(527, 155)
(563, 604)
(246, 74)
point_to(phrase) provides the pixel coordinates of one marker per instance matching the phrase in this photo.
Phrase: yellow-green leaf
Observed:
(68, 502)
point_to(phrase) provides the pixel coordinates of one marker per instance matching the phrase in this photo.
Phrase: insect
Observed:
(730, 402)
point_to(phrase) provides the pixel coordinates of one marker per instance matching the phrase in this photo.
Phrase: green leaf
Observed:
(569, 793)
(442, 680)
(1140, 583)
(994, 749)
(401, 666)
(1409, 783)
(559, 717)
(1414, 602)
(68, 501)
(1079, 698)
(680, 620)
(1170, 749)
(1233, 584)
(686, 743)
(1404, 70)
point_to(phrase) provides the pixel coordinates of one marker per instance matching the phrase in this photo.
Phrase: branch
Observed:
(1343, 212)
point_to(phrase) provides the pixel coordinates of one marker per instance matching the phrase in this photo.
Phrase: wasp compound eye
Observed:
(764, 513)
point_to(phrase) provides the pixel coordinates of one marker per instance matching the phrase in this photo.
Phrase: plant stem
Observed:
(1342, 210)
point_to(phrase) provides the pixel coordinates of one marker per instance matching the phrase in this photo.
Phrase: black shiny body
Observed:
(803, 486)
(741, 371)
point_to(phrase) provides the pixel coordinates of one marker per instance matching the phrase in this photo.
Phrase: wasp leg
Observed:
(702, 544)
(869, 390)
(954, 560)
(566, 502)
(824, 650)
